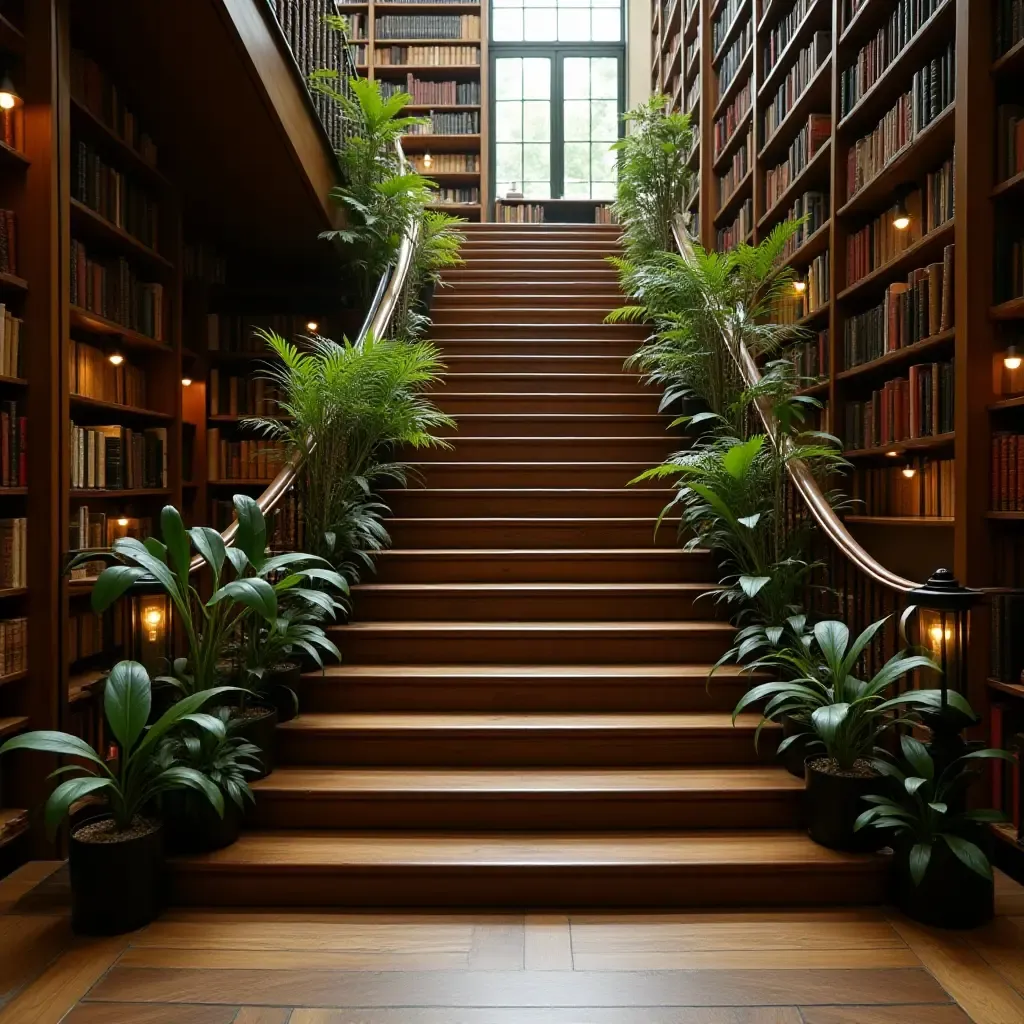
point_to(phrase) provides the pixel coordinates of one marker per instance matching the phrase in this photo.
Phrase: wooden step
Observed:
(593, 870)
(558, 448)
(494, 248)
(554, 424)
(540, 264)
(584, 688)
(505, 329)
(527, 348)
(531, 474)
(535, 364)
(525, 739)
(488, 286)
(551, 565)
(565, 532)
(531, 643)
(498, 298)
(556, 384)
(516, 275)
(526, 502)
(608, 403)
(537, 602)
(539, 314)
(561, 800)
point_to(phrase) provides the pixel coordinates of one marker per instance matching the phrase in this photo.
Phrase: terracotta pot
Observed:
(950, 895)
(118, 886)
(191, 825)
(262, 731)
(833, 804)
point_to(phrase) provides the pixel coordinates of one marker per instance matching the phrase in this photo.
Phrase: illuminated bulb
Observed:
(186, 382)
(901, 218)
(800, 286)
(122, 521)
(7, 101)
(312, 326)
(116, 358)
(909, 472)
(1011, 360)
(938, 634)
(892, 455)
(154, 617)
(428, 160)
(9, 98)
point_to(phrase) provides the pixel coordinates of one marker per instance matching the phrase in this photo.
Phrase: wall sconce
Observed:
(312, 326)
(799, 286)
(150, 626)
(909, 472)
(1011, 360)
(9, 96)
(901, 215)
(186, 382)
(116, 358)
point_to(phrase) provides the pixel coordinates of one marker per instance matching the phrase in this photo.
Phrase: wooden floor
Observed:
(236, 967)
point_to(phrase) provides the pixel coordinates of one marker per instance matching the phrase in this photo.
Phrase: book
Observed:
(91, 374)
(888, 491)
(116, 457)
(115, 196)
(13, 553)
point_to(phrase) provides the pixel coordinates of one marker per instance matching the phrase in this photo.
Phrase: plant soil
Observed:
(251, 714)
(861, 769)
(105, 831)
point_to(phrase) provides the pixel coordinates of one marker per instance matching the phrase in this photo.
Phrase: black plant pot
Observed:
(833, 804)
(191, 825)
(116, 887)
(794, 756)
(261, 730)
(279, 680)
(950, 895)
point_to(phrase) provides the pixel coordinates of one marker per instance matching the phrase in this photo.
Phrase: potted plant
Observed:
(190, 823)
(116, 856)
(942, 873)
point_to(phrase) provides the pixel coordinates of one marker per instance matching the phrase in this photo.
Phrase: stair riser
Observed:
(488, 748)
(482, 474)
(573, 249)
(467, 504)
(526, 347)
(534, 364)
(590, 886)
(570, 425)
(526, 812)
(470, 289)
(449, 300)
(519, 448)
(495, 384)
(601, 605)
(495, 693)
(499, 533)
(536, 314)
(544, 567)
(518, 276)
(457, 403)
(450, 647)
(496, 329)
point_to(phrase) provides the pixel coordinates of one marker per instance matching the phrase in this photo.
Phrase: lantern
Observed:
(150, 627)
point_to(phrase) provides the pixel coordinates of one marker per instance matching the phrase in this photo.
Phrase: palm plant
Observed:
(345, 409)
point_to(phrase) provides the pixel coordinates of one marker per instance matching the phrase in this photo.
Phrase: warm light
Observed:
(901, 216)
(7, 101)
(186, 382)
(800, 286)
(909, 472)
(154, 618)
(892, 455)
(312, 326)
(9, 98)
(123, 521)
(938, 634)
(116, 358)
(1011, 360)
(428, 160)
(153, 621)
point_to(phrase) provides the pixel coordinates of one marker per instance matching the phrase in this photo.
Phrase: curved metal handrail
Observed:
(803, 479)
(375, 324)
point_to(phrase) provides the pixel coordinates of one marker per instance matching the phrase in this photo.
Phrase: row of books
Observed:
(804, 68)
(96, 91)
(113, 290)
(232, 395)
(905, 408)
(888, 491)
(690, 52)
(813, 209)
(117, 458)
(91, 374)
(357, 26)
(815, 134)
(1009, 140)
(519, 213)
(692, 94)
(285, 525)
(810, 358)
(604, 215)
(939, 195)
(115, 196)
(782, 33)
(932, 90)
(8, 242)
(1009, 262)
(249, 459)
(912, 310)
(880, 241)
(724, 19)
(427, 26)
(1009, 24)
(1007, 468)
(879, 52)
(12, 360)
(425, 56)
(446, 163)
(732, 60)
(96, 531)
(818, 281)
(731, 236)
(454, 196)
(13, 445)
(13, 646)
(738, 169)
(449, 122)
(443, 93)
(727, 124)
(359, 52)
(1007, 615)
(202, 262)
(236, 332)
(90, 633)
(14, 552)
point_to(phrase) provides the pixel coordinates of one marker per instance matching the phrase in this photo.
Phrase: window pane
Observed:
(508, 78)
(537, 78)
(540, 24)
(577, 189)
(576, 115)
(573, 24)
(537, 190)
(577, 163)
(509, 162)
(603, 163)
(607, 24)
(604, 78)
(603, 190)
(537, 163)
(507, 3)
(604, 120)
(576, 78)
(508, 25)
(537, 121)
(508, 121)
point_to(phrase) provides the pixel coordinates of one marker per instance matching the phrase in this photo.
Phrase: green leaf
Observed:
(968, 854)
(127, 702)
(172, 529)
(210, 544)
(181, 777)
(54, 743)
(253, 592)
(919, 859)
(740, 457)
(252, 529)
(136, 551)
(156, 549)
(912, 783)
(833, 638)
(918, 757)
(751, 585)
(827, 721)
(174, 714)
(112, 583)
(69, 792)
(750, 521)
(239, 560)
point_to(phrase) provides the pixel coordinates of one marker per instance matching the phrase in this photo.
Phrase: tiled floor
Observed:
(220, 967)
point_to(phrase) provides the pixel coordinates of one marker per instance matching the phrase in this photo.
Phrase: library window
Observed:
(576, 21)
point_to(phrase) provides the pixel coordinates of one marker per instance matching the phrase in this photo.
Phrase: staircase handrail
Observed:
(803, 479)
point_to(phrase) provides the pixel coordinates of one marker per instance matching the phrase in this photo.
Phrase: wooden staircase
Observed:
(522, 716)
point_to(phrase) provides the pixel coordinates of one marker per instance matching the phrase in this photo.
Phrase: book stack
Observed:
(879, 242)
(787, 309)
(357, 26)
(812, 209)
(13, 646)
(113, 291)
(12, 129)
(95, 90)
(815, 295)
(1009, 140)
(806, 64)
(693, 94)
(875, 56)
(425, 56)
(918, 405)
(13, 553)
(1007, 470)
(427, 26)
(810, 358)
(236, 332)
(113, 195)
(727, 124)
(241, 396)
(888, 491)
(802, 149)
(446, 163)
(284, 525)
(933, 89)
(91, 374)
(115, 458)
(518, 213)
(911, 311)
(939, 196)
(782, 34)
(424, 93)
(732, 61)
(359, 52)
(13, 445)
(242, 460)
(449, 122)
(731, 236)
(737, 171)
(455, 196)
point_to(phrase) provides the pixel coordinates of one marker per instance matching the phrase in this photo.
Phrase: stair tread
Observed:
(501, 587)
(582, 721)
(541, 672)
(714, 850)
(711, 781)
(547, 627)
(535, 491)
